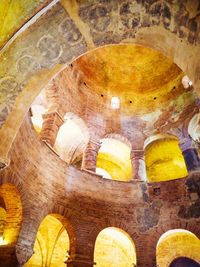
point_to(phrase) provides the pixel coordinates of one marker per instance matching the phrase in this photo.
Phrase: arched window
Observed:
(163, 158)
(194, 127)
(114, 247)
(177, 243)
(52, 244)
(113, 160)
(72, 138)
(38, 108)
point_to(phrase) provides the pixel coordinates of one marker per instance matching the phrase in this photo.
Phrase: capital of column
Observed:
(51, 124)
(137, 154)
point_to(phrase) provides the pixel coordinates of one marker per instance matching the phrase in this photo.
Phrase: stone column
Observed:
(90, 155)
(51, 124)
(190, 154)
(24, 253)
(138, 164)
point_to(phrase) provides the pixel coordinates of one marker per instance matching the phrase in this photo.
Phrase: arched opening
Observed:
(114, 247)
(52, 244)
(3, 217)
(72, 139)
(113, 160)
(163, 158)
(176, 244)
(184, 262)
(10, 215)
(38, 108)
(194, 128)
(10, 223)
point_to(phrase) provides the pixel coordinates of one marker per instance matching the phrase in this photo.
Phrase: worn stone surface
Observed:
(91, 203)
(44, 182)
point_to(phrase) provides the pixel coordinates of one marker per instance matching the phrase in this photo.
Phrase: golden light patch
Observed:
(164, 160)
(133, 73)
(51, 245)
(114, 158)
(13, 213)
(177, 243)
(113, 248)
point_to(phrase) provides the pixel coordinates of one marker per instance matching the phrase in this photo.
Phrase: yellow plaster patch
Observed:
(113, 248)
(51, 245)
(177, 243)
(164, 160)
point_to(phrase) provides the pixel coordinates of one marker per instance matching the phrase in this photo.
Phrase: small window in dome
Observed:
(115, 102)
(186, 82)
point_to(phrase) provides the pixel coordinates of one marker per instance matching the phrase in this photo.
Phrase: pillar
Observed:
(24, 253)
(190, 154)
(138, 164)
(90, 155)
(51, 124)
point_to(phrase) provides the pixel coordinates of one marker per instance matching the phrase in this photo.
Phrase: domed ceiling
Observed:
(142, 78)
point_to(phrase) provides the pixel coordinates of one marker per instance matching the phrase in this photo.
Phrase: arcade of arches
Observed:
(100, 133)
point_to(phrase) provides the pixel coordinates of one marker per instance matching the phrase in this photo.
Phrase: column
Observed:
(138, 164)
(24, 253)
(51, 124)
(90, 155)
(190, 154)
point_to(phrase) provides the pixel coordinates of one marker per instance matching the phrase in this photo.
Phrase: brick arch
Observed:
(56, 232)
(171, 31)
(155, 236)
(78, 148)
(126, 227)
(22, 250)
(13, 206)
(121, 230)
(120, 138)
(173, 245)
(66, 217)
(70, 231)
(14, 216)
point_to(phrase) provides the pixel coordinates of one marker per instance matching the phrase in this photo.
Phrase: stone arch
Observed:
(172, 31)
(54, 242)
(116, 242)
(177, 243)
(114, 158)
(72, 138)
(163, 158)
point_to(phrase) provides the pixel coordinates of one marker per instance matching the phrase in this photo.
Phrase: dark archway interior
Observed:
(184, 262)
